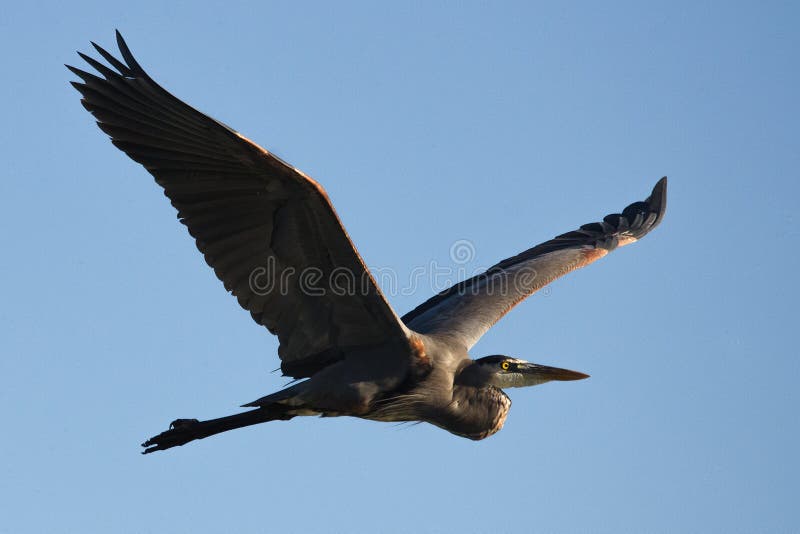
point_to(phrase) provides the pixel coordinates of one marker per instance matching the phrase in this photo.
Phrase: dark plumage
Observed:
(255, 217)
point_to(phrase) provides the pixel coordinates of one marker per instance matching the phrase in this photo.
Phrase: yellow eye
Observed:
(504, 366)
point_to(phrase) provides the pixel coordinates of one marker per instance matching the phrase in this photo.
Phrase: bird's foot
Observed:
(181, 432)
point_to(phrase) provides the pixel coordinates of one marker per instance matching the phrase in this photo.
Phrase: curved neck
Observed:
(475, 413)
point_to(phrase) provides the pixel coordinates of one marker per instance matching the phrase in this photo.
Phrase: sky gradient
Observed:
(500, 125)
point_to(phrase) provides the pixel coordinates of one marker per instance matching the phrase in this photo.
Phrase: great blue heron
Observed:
(253, 216)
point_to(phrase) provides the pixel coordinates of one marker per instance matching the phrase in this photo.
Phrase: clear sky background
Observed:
(502, 124)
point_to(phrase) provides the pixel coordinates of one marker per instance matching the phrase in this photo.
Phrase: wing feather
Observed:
(466, 311)
(249, 212)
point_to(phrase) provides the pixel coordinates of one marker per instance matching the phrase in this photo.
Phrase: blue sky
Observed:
(428, 123)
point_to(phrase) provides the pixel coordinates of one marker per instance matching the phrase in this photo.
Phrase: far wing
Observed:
(466, 311)
(268, 230)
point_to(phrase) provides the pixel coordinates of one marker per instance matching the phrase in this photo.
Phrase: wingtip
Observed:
(658, 199)
(661, 185)
(127, 55)
(77, 72)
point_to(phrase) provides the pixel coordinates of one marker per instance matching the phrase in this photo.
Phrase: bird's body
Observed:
(427, 390)
(272, 237)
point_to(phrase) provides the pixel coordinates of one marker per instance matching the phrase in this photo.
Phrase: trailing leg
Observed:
(182, 431)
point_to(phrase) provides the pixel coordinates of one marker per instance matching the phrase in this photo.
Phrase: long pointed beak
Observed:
(544, 373)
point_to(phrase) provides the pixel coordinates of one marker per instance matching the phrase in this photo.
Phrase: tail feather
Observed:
(182, 431)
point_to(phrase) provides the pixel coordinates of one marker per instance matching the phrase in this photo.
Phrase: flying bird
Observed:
(255, 218)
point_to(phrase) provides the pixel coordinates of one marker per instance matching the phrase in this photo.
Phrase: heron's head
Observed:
(506, 372)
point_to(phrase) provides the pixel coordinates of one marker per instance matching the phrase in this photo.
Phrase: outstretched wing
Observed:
(469, 309)
(268, 230)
